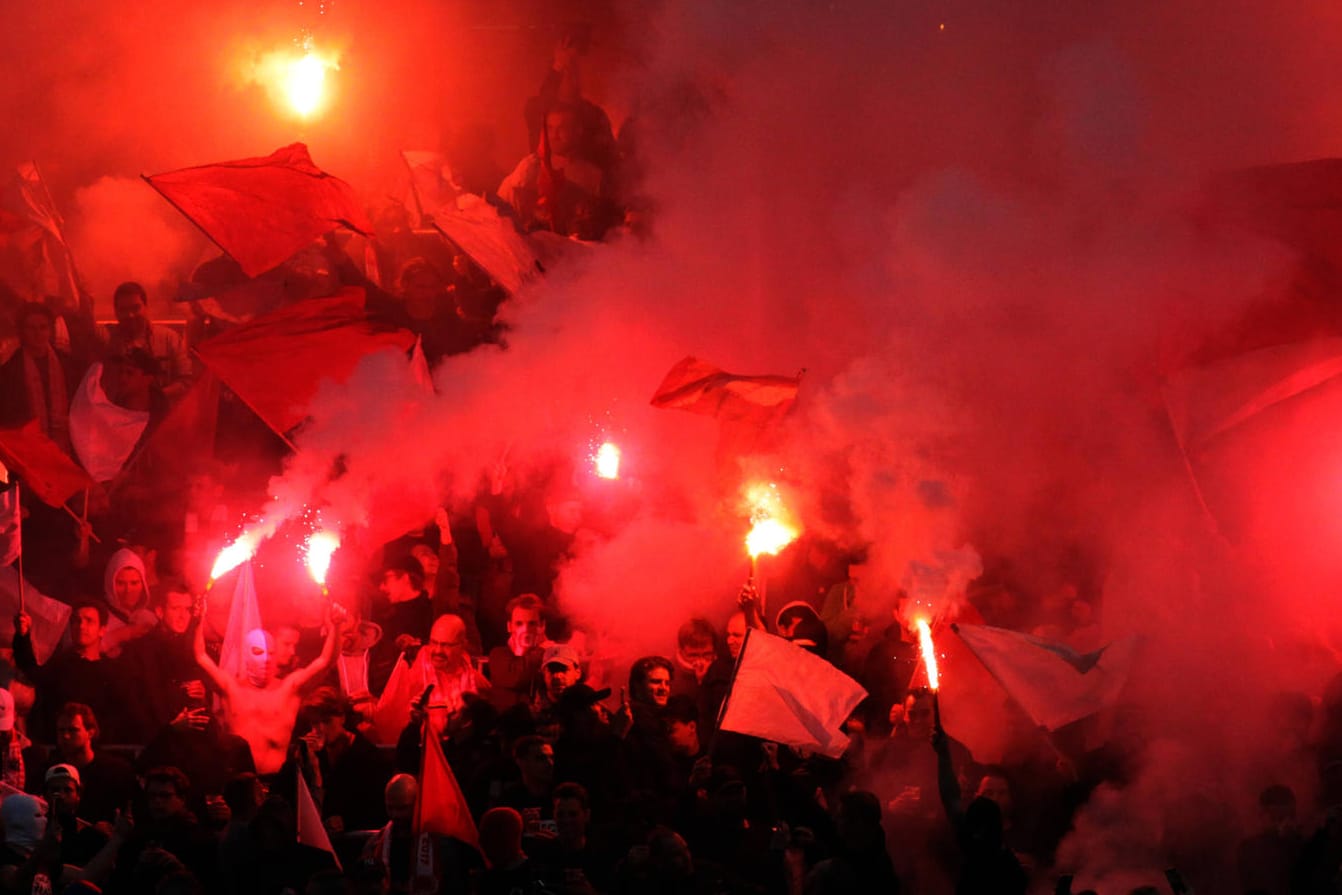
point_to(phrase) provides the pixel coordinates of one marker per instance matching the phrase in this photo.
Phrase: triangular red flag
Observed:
(262, 211)
(442, 807)
(311, 830)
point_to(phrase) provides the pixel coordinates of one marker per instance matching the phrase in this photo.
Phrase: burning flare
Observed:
(607, 461)
(771, 526)
(296, 78)
(317, 552)
(305, 82)
(929, 652)
(234, 555)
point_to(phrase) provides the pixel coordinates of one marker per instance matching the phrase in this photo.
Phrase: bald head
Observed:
(400, 796)
(447, 642)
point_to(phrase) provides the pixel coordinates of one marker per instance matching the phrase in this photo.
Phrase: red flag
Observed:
(442, 808)
(262, 211)
(700, 387)
(11, 522)
(490, 239)
(276, 363)
(311, 830)
(36, 459)
(783, 693)
(1053, 683)
(32, 244)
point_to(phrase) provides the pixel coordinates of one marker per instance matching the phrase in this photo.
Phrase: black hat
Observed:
(579, 697)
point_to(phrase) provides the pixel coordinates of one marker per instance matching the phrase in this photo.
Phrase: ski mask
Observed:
(25, 820)
(256, 657)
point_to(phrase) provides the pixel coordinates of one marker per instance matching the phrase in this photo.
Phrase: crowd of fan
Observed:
(136, 760)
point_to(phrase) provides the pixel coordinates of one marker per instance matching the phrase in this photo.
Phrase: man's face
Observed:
(526, 629)
(657, 686)
(446, 641)
(130, 312)
(163, 800)
(571, 819)
(71, 734)
(428, 559)
(539, 763)
(63, 794)
(128, 588)
(85, 627)
(423, 289)
(736, 635)
(177, 612)
(684, 737)
(332, 728)
(561, 129)
(396, 584)
(400, 804)
(35, 334)
(286, 647)
(699, 658)
(559, 676)
(918, 716)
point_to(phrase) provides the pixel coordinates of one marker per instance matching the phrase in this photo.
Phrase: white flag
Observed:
(1053, 683)
(785, 694)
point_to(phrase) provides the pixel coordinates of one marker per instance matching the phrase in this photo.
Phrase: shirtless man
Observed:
(259, 707)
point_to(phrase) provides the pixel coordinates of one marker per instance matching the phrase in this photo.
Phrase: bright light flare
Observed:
(929, 652)
(234, 555)
(772, 528)
(317, 552)
(607, 461)
(305, 82)
(297, 78)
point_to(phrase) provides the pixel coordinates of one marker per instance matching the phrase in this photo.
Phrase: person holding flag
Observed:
(422, 845)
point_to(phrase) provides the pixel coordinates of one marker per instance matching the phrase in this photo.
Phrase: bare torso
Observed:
(264, 718)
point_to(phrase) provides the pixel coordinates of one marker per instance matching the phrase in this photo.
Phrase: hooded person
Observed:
(25, 821)
(126, 590)
(800, 623)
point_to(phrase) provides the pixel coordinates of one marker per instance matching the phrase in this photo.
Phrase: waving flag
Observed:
(441, 809)
(261, 211)
(244, 616)
(783, 693)
(700, 387)
(311, 830)
(276, 363)
(42, 466)
(1053, 683)
(104, 434)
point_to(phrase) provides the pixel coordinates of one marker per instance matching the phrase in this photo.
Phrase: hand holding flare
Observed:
(929, 652)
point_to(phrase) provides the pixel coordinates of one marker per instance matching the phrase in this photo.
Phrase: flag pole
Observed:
(731, 685)
(23, 604)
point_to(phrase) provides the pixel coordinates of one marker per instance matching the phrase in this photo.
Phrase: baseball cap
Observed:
(563, 654)
(579, 697)
(63, 772)
(6, 710)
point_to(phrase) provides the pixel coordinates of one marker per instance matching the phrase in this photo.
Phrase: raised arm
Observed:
(948, 785)
(336, 624)
(24, 657)
(212, 671)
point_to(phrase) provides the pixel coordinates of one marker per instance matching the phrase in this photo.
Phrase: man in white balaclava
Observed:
(258, 707)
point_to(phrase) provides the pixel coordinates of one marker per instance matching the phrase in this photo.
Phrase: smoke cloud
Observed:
(971, 223)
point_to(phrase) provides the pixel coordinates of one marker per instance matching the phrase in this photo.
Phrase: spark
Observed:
(606, 460)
